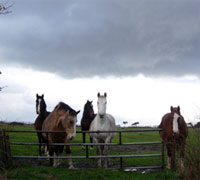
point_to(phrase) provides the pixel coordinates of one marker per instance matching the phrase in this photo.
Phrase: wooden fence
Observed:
(8, 156)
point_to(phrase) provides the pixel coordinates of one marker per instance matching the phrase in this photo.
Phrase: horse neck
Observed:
(101, 120)
(44, 113)
(86, 115)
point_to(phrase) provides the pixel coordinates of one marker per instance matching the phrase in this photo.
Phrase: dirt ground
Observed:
(92, 163)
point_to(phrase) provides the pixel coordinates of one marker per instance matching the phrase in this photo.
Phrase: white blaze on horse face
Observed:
(71, 130)
(175, 123)
(75, 120)
(38, 107)
(101, 105)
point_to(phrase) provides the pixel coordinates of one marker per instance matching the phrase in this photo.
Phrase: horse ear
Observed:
(171, 108)
(98, 94)
(77, 112)
(105, 94)
(179, 109)
(42, 95)
(36, 95)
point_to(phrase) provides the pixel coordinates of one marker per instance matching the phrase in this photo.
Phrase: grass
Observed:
(33, 172)
(26, 171)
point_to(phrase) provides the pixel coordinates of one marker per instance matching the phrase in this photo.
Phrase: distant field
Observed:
(24, 169)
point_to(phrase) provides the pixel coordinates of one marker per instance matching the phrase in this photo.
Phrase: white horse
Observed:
(102, 122)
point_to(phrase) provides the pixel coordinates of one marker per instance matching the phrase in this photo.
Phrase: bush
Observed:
(192, 157)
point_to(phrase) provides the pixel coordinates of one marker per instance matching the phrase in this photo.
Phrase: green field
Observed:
(29, 169)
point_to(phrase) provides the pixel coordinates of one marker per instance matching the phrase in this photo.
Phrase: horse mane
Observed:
(65, 107)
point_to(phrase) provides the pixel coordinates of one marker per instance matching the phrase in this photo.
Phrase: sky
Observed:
(143, 53)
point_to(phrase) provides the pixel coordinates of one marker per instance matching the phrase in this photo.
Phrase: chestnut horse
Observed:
(63, 118)
(42, 114)
(174, 135)
(87, 118)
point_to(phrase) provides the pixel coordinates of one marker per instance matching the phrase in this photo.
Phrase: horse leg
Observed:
(106, 153)
(68, 152)
(91, 147)
(39, 139)
(170, 153)
(39, 150)
(83, 147)
(46, 147)
(180, 152)
(51, 153)
(173, 155)
(58, 152)
(55, 161)
(98, 152)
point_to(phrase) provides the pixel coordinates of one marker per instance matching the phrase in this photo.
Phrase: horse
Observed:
(62, 118)
(87, 118)
(102, 122)
(174, 135)
(42, 114)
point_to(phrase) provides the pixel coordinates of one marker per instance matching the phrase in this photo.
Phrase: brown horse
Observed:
(87, 118)
(174, 135)
(62, 118)
(42, 114)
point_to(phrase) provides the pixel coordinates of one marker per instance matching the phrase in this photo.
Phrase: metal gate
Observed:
(87, 154)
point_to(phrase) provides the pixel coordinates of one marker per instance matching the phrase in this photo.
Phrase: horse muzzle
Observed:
(70, 137)
(101, 115)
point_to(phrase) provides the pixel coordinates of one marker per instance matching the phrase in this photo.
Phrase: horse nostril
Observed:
(71, 137)
(101, 115)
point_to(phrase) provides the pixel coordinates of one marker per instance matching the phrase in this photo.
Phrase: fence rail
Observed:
(87, 156)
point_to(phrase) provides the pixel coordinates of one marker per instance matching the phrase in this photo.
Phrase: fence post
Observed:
(163, 150)
(120, 143)
(5, 148)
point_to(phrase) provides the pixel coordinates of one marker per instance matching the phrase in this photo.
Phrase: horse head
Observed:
(88, 108)
(67, 122)
(101, 104)
(40, 104)
(175, 110)
(176, 115)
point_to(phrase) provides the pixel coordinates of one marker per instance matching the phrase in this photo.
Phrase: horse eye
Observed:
(71, 122)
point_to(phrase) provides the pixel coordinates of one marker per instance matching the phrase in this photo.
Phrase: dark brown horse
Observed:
(174, 135)
(87, 118)
(42, 114)
(62, 118)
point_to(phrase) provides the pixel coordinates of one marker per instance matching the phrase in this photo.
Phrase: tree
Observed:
(3, 86)
(135, 123)
(125, 122)
(5, 7)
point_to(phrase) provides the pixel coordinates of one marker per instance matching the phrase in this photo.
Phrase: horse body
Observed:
(42, 114)
(62, 118)
(174, 135)
(102, 122)
(87, 118)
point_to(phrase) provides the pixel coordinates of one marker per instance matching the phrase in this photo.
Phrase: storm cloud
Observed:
(85, 38)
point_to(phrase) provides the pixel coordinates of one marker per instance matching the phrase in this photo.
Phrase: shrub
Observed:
(192, 157)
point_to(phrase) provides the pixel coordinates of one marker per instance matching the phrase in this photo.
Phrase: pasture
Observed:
(86, 168)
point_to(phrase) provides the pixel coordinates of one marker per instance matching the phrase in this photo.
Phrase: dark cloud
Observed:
(99, 37)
